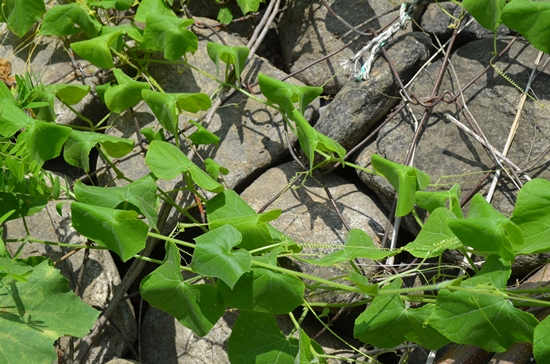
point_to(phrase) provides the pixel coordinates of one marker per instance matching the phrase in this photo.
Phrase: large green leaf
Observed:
(530, 19)
(229, 55)
(264, 290)
(63, 20)
(358, 245)
(194, 306)
(12, 118)
(124, 95)
(387, 322)
(256, 339)
(119, 230)
(541, 341)
(311, 140)
(44, 140)
(21, 14)
(169, 35)
(166, 161)
(79, 144)
(158, 7)
(70, 94)
(35, 313)
(214, 255)
(406, 181)
(229, 208)
(140, 193)
(532, 215)
(97, 50)
(486, 12)
(435, 236)
(285, 94)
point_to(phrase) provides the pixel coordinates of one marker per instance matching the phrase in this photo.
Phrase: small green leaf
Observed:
(37, 312)
(194, 306)
(64, 20)
(193, 102)
(140, 193)
(448, 199)
(12, 118)
(124, 95)
(79, 144)
(486, 12)
(285, 94)
(70, 94)
(311, 140)
(21, 14)
(532, 215)
(229, 55)
(248, 6)
(255, 339)
(213, 169)
(387, 322)
(119, 230)
(166, 161)
(406, 181)
(203, 136)
(113, 4)
(530, 19)
(263, 290)
(309, 350)
(97, 50)
(435, 236)
(225, 16)
(358, 245)
(44, 140)
(157, 7)
(153, 135)
(169, 35)
(214, 255)
(541, 341)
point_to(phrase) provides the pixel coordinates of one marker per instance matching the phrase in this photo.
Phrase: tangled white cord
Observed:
(376, 43)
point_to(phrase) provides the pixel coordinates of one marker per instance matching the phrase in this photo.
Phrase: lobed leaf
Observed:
(170, 35)
(248, 6)
(68, 19)
(530, 19)
(97, 50)
(229, 55)
(21, 14)
(124, 95)
(158, 7)
(194, 306)
(432, 200)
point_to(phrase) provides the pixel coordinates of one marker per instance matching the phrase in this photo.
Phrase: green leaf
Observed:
(12, 118)
(213, 169)
(448, 199)
(358, 245)
(248, 6)
(193, 102)
(532, 215)
(229, 208)
(530, 19)
(21, 14)
(256, 339)
(166, 161)
(387, 322)
(70, 94)
(64, 20)
(486, 12)
(311, 140)
(363, 284)
(153, 135)
(124, 95)
(285, 95)
(229, 55)
(225, 16)
(194, 306)
(263, 290)
(309, 350)
(140, 193)
(157, 7)
(37, 312)
(97, 50)
(495, 273)
(203, 135)
(481, 318)
(113, 4)
(169, 35)
(541, 341)
(214, 255)
(119, 230)
(487, 230)
(44, 140)
(435, 236)
(406, 181)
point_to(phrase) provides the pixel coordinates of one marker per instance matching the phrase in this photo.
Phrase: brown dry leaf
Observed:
(5, 72)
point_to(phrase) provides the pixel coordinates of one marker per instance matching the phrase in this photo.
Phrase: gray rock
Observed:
(122, 361)
(309, 218)
(251, 135)
(98, 282)
(360, 105)
(308, 32)
(443, 150)
(436, 22)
